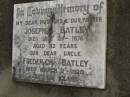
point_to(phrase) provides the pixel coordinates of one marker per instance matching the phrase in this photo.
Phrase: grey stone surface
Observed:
(80, 31)
(118, 58)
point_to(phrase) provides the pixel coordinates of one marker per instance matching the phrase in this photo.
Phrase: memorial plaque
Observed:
(60, 42)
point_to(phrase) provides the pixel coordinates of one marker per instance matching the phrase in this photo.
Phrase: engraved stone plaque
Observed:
(60, 42)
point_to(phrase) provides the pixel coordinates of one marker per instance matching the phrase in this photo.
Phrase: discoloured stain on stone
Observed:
(50, 30)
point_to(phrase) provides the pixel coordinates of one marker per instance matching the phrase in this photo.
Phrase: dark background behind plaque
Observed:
(118, 57)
